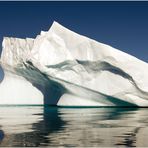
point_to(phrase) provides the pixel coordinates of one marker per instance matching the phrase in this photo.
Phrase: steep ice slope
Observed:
(15, 89)
(60, 67)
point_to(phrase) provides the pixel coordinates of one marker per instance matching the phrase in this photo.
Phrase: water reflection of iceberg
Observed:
(104, 127)
(52, 126)
(27, 125)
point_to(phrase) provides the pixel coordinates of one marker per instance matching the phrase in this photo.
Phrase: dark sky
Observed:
(124, 25)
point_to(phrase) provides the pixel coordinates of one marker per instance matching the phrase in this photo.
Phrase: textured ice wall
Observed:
(60, 67)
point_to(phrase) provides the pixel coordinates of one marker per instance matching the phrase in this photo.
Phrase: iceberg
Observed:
(60, 67)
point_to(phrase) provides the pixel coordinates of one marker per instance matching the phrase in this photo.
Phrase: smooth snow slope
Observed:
(60, 67)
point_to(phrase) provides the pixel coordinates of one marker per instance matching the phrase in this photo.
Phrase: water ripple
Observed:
(73, 127)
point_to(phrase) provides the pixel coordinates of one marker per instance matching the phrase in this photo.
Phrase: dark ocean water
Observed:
(80, 127)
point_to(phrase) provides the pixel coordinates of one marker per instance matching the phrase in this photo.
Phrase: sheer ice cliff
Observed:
(63, 68)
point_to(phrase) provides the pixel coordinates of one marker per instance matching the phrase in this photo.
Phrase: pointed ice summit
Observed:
(63, 68)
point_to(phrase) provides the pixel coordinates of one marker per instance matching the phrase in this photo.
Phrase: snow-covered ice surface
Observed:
(61, 67)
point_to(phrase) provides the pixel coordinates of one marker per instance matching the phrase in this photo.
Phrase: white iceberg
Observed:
(63, 68)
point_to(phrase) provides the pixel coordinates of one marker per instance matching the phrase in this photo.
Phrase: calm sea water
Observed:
(53, 126)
